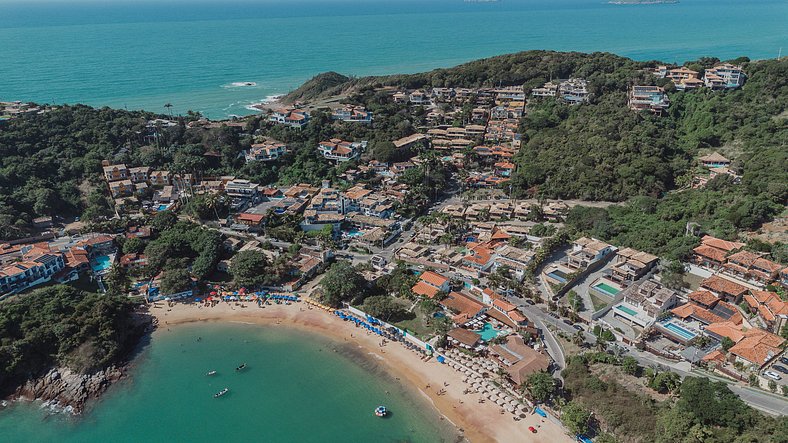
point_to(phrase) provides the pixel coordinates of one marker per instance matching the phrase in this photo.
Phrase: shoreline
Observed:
(476, 422)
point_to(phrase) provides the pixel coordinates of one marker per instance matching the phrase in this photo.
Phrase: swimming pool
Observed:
(488, 332)
(558, 275)
(606, 289)
(101, 263)
(678, 330)
(354, 233)
(162, 207)
(627, 310)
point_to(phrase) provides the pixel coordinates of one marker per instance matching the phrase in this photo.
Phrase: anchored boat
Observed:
(222, 392)
(211, 373)
(381, 411)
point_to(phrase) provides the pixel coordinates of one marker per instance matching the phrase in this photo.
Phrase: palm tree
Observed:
(579, 339)
(169, 108)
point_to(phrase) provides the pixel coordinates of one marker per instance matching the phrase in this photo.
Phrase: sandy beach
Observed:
(479, 422)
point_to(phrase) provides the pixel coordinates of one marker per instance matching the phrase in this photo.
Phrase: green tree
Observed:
(249, 268)
(342, 283)
(726, 343)
(164, 220)
(629, 365)
(175, 280)
(541, 386)
(576, 417)
(133, 245)
(383, 307)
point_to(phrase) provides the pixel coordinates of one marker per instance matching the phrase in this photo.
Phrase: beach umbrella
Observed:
(499, 402)
(510, 409)
(508, 398)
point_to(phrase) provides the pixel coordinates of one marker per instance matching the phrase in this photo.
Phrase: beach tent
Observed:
(539, 411)
(441, 359)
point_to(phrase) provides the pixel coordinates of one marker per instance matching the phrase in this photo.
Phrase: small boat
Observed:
(239, 368)
(222, 392)
(211, 373)
(381, 411)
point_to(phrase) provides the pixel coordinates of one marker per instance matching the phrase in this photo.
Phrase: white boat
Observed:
(381, 411)
(222, 392)
(211, 373)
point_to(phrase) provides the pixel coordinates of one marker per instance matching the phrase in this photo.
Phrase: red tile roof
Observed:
(722, 285)
(758, 346)
(424, 289)
(434, 278)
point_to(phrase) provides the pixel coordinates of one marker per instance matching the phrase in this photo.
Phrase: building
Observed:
(133, 261)
(464, 338)
(294, 118)
(160, 178)
(550, 89)
(419, 98)
(587, 251)
(36, 267)
(353, 114)
(714, 160)
(243, 190)
(724, 76)
(723, 288)
(340, 150)
(121, 188)
(758, 348)
(648, 98)
(631, 265)
(430, 283)
(116, 172)
(751, 266)
(573, 90)
(771, 309)
(267, 151)
(712, 251)
(643, 305)
(519, 360)
(140, 174)
(464, 307)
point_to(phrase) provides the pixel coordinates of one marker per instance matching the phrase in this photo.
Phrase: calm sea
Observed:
(295, 389)
(145, 53)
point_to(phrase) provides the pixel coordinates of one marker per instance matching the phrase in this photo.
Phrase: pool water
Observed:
(101, 263)
(606, 289)
(488, 332)
(681, 332)
(354, 233)
(627, 310)
(162, 207)
(558, 275)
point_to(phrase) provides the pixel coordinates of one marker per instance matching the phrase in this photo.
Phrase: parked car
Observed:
(578, 327)
(784, 360)
(532, 429)
(773, 375)
(530, 302)
(569, 322)
(780, 368)
(553, 314)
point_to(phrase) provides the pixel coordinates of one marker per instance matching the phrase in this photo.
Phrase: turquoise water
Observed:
(606, 289)
(627, 310)
(295, 389)
(487, 332)
(101, 263)
(558, 275)
(687, 335)
(144, 53)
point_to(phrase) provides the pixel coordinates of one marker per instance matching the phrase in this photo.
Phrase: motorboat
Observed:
(211, 373)
(381, 411)
(239, 368)
(222, 392)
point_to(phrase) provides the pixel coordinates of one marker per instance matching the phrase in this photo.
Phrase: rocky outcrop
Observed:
(67, 390)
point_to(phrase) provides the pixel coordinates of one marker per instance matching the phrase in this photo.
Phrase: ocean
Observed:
(295, 388)
(142, 54)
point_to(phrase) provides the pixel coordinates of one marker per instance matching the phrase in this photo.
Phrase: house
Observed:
(512, 315)
(771, 309)
(139, 174)
(573, 90)
(430, 283)
(400, 97)
(36, 267)
(714, 160)
(519, 360)
(419, 98)
(643, 305)
(267, 151)
(121, 188)
(133, 261)
(550, 89)
(513, 258)
(631, 265)
(724, 288)
(160, 178)
(751, 266)
(648, 98)
(706, 308)
(587, 251)
(340, 150)
(243, 190)
(479, 259)
(353, 114)
(463, 306)
(758, 348)
(116, 172)
(253, 221)
(325, 209)
(724, 76)
(688, 83)
(712, 251)
(504, 169)
(42, 222)
(294, 118)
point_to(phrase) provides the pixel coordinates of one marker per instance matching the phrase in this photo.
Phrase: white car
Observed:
(773, 375)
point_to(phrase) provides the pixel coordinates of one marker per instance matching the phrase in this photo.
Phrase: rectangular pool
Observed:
(606, 289)
(558, 275)
(627, 310)
(678, 330)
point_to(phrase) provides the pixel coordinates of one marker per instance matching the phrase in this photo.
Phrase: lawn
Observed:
(416, 325)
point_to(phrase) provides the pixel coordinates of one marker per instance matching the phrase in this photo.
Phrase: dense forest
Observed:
(63, 326)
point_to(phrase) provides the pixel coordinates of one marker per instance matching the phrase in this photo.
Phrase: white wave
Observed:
(240, 85)
(266, 101)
